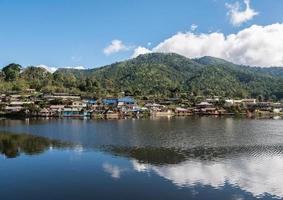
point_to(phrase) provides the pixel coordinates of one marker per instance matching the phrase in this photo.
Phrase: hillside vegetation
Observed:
(156, 74)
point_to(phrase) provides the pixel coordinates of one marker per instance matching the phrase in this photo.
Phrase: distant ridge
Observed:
(170, 73)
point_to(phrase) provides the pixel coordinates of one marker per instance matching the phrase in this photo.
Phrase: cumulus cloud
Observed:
(115, 47)
(239, 16)
(255, 46)
(139, 51)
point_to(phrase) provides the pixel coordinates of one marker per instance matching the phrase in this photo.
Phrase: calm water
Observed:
(177, 158)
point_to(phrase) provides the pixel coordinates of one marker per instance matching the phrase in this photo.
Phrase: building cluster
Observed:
(68, 105)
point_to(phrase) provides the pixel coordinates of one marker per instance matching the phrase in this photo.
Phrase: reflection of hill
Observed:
(165, 156)
(12, 145)
(156, 156)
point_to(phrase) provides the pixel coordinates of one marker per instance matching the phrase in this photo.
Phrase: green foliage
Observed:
(156, 75)
(12, 71)
(37, 77)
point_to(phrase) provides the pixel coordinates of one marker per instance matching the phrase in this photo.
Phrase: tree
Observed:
(37, 77)
(12, 71)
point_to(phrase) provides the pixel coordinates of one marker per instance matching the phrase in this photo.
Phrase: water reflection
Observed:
(115, 171)
(254, 169)
(13, 145)
(245, 155)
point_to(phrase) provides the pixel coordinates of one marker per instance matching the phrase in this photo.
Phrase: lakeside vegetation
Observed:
(151, 75)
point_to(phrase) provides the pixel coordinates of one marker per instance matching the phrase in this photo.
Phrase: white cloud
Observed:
(50, 69)
(194, 27)
(238, 16)
(139, 51)
(53, 69)
(115, 47)
(74, 67)
(255, 46)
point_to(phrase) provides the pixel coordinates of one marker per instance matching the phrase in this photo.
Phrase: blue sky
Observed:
(62, 33)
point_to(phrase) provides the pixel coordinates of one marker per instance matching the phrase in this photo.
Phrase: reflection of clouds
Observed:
(258, 175)
(114, 170)
(78, 148)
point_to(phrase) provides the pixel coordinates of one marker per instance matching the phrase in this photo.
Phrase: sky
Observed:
(93, 33)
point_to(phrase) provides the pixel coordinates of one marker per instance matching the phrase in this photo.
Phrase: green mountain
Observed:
(172, 74)
(156, 74)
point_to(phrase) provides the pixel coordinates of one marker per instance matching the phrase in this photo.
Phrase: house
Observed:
(154, 107)
(9, 109)
(79, 104)
(213, 100)
(183, 111)
(31, 91)
(74, 112)
(110, 102)
(56, 109)
(14, 97)
(163, 113)
(91, 102)
(248, 101)
(204, 105)
(45, 113)
(16, 106)
(277, 110)
(112, 115)
(126, 101)
(127, 105)
(63, 96)
(20, 103)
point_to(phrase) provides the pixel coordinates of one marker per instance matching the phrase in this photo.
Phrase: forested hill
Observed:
(162, 75)
(171, 73)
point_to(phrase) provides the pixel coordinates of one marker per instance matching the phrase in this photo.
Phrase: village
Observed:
(35, 104)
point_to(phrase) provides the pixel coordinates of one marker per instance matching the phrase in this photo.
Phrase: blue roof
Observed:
(111, 101)
(91, 101)
(127, 100)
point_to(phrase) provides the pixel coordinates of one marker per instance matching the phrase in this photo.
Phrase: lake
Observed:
(161, 158)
